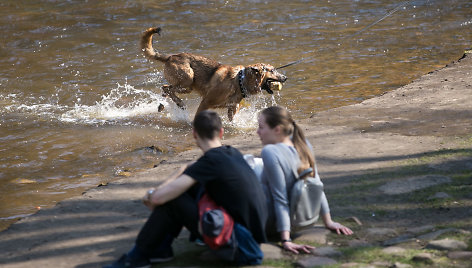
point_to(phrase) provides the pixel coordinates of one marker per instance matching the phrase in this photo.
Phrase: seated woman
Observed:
(285, 150)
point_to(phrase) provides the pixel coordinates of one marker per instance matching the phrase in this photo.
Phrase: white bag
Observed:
(305, 200)
(305, 195)
(255, 163)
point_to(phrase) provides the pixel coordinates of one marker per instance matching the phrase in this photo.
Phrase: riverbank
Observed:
(418, 135)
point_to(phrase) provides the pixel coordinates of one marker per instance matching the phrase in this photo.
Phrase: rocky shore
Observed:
(397, 169)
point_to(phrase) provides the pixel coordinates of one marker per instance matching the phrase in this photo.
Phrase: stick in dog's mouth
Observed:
(271, 84)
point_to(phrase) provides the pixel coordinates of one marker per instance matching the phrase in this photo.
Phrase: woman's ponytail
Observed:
(299, 141)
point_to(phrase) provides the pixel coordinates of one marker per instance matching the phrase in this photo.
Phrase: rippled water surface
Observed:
(78, 102)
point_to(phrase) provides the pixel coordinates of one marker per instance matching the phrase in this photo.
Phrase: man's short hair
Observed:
(207, 124)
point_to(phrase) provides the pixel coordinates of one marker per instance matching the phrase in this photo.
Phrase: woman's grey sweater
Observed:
(281, 162)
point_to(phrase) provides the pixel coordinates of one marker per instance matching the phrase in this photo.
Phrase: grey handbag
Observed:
(305, 200)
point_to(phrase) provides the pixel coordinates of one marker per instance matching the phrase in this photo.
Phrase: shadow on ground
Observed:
(101, 225)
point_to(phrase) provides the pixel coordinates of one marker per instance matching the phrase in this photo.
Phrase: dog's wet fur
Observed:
(219, 85)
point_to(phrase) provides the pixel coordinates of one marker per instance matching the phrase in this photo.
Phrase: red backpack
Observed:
(216, 225)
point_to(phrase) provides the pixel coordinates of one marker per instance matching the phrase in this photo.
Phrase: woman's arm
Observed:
(275, 176)
(278, 189)
(335, 226)
(287, 244)
(328, 222)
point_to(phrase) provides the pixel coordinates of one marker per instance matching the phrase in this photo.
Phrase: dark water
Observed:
(78, 102)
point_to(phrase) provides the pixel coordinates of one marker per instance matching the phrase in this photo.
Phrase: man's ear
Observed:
(194, 133)
(221, 133)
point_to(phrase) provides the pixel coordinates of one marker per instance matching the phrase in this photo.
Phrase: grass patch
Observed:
(443, 154)
(460, 235)
(459, 188)
(375, 254)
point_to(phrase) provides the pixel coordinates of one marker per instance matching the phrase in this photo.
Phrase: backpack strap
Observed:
(305, 172)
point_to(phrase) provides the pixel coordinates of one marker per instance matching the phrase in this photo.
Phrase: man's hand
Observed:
(167, 191)
(147, 198)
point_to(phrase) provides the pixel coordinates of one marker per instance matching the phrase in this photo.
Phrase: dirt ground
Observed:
(419, 132)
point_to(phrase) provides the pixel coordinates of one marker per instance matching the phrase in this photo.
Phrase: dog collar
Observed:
(240, 79)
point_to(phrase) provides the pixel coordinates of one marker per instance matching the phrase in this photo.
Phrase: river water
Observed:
(79, 103)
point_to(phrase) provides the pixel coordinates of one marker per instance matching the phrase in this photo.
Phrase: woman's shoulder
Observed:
(278, 150)
(272, 148)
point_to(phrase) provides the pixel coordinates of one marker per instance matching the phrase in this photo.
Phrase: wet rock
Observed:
(439, 195)
(314, 262)
(396, 251)
(426, 258)
(447, 244)
(356, 243)
(413, 184)
(398, 240)
(153, 150)
(315, 235)
(326, 252)
(420, 229)
(150, 151)
(272, 252)
(379, 233)
(124, 174)
(436, 234)
(102, 184)
(460, 255)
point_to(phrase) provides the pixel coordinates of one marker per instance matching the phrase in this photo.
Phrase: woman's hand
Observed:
(295, 248)
(334, 226)
(338, 228)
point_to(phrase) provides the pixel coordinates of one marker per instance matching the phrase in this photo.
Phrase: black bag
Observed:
(305, 200)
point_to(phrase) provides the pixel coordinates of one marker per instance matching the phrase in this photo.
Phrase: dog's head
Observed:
(264, 76)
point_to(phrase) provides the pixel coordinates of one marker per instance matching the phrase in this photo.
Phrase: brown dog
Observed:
(219, 85)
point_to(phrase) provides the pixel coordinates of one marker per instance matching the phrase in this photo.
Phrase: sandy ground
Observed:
(432, 114)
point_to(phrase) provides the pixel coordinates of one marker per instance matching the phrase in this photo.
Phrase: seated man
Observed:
(227, 179)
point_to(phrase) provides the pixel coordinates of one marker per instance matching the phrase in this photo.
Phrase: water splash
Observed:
(128, 105)
(122, 104)
(246, 118)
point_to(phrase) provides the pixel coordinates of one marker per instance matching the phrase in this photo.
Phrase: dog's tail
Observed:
(146, 45)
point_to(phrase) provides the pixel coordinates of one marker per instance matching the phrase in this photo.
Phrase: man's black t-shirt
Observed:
(232, 184)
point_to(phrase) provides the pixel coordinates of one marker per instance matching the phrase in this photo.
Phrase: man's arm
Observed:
(174, 186)
(172, 190)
